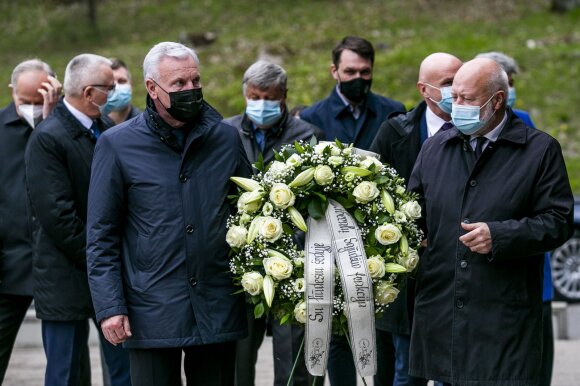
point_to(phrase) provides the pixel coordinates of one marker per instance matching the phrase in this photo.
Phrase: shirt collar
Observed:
(434, 122)
(355, 110)
(84, 119)
(493, 135)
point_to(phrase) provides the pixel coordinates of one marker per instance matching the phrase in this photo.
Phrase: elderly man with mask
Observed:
(157, 257)
(398, 142)
(510, 66)
(264, 127)
(58, 159)
(496, 197)
(35, 92)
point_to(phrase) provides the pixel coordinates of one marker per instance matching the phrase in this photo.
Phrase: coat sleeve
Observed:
(52, 196)
(551, 221)
(415, 185)
(106, 209)
(382, 142)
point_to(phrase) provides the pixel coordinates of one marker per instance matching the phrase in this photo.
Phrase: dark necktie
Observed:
(446, 126)
(479, 142)
(260, 136)
(95, 129)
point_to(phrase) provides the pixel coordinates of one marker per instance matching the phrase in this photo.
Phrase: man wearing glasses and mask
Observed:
(157, 257)
(58, 159)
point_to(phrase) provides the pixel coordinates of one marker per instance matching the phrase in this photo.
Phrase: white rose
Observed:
(249, 202)
(294, 160)
(300, 312)
(411, 260)
(347, 150)
(299, 285)
(385, 293)
(348, 177)
(334, 150)
(323, 175)
(245, 218)
(282, 196)
(387, 234)
(271, 228)
(376, 267)
(399, 217)
(236, 236)
(335, 160)
(365, 192)
(278, 169)
(319, 148)
(367, 162)
(252, 282)
(298, 261)
(412, 209)
(278, 267)
(267, 209)
(400, 190)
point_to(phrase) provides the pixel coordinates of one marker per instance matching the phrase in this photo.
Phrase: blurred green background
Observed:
(300, 34)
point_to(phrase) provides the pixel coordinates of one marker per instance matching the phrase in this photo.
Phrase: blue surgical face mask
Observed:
(446, 99)
(466, 118)
(121, 97)
(511, 100)
(263, 112)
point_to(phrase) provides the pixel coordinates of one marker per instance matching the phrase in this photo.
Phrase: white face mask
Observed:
(32, 114)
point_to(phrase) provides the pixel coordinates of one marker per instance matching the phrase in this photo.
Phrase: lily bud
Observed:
(303, 178)
(391, 268)
(247, 184)
(387, 201)
(268, 290)
(274, 253)
(356, 170)
(254, 229)
(297, 219)
(404, 244)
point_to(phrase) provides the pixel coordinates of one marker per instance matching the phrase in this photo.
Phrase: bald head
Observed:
(437, 71)
(482, 82)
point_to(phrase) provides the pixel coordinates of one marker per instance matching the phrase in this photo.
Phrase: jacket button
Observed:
(182, 177)
(192, 281)
(459, 303)
(463, 264)
(473, 183)
(189, 228)
(466, 220)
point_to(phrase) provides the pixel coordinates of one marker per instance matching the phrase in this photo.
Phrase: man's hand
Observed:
(116, 329)
(50, 92)
(477, 238)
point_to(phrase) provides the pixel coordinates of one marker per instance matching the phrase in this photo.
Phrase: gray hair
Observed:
(81, 72)
(29, 65)
(164, 50)
(509, 64)
(264, 75)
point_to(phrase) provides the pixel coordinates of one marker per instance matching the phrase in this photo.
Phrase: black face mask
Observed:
(356, 90)
(185, 104)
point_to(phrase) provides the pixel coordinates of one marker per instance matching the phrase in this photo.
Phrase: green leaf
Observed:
(371, 251)
(258, 310)
(380, 179)
(315, 209)
(339, 144)
(284, 319)
(298, 147)
(344, 201)
(321, 196)
(259, 164)
(287, 229)
(313, 141)
(382, 218)
(278, 156)
(359, 215)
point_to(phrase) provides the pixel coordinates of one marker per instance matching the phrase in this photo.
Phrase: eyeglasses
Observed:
(108, 87)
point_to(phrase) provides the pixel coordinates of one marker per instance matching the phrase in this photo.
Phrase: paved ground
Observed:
(27, 364)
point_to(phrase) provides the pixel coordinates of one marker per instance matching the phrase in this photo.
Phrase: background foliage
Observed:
(300, 34)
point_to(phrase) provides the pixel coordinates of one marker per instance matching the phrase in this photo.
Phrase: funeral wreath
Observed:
(266, 235)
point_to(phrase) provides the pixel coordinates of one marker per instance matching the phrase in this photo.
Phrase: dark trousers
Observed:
(402, 344)
(12, 311)
(286, 340)
(247, 349)
(547, 346)
(204, 365)
(64, 344)
(341, 368)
